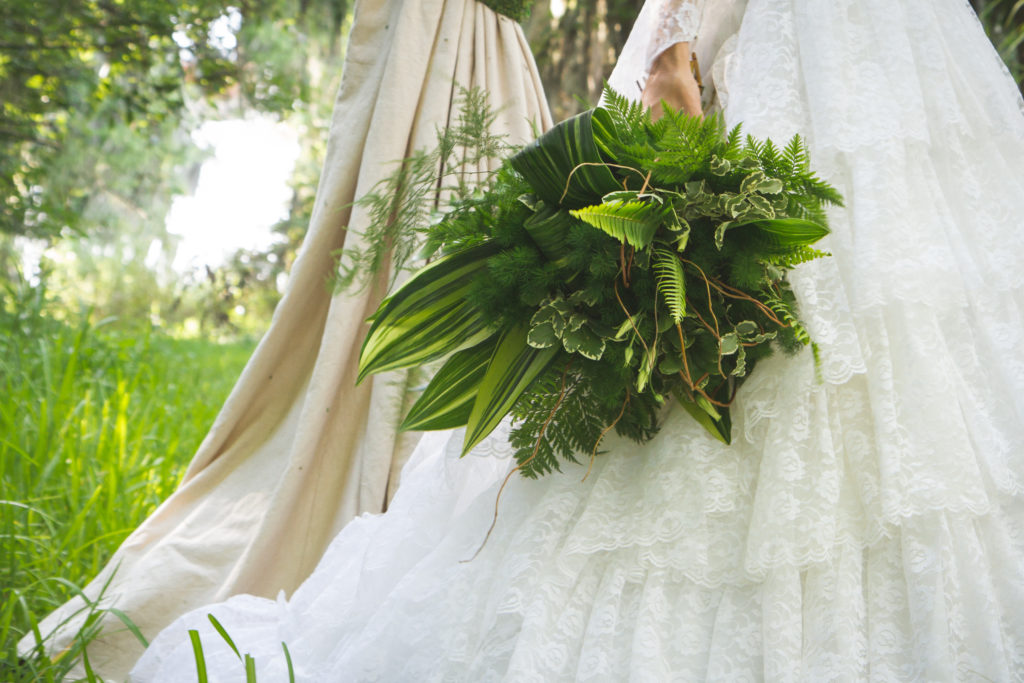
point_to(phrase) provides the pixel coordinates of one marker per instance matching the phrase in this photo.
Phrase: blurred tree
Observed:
(1004, 23)
(70, 74)
(74, 73)
(577, 46)
(99, 98)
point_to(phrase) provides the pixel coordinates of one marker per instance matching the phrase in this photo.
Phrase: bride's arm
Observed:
(670, 79)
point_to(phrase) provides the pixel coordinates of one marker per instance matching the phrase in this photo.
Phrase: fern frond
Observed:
(733, 143)
(627, 221)
(785, 312)
(668, 272)
(796, 257)
(400, 206)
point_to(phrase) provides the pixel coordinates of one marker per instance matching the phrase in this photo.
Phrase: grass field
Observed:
(96, 428)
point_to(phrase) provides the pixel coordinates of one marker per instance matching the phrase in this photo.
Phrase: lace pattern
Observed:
(659, 25)
(676, 21)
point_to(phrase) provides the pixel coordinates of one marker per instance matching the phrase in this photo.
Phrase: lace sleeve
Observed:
(675, 21)
(660, 24)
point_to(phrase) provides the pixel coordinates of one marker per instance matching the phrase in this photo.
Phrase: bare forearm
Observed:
(672, 81)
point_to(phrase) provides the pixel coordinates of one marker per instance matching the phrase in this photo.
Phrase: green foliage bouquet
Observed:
(612, 266)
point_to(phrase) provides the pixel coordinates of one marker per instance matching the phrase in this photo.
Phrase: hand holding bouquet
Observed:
(612, 266)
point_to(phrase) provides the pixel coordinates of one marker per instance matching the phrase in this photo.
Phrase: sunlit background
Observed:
(160, 166)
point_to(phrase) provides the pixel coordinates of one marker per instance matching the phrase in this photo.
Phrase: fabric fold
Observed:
(298, 450)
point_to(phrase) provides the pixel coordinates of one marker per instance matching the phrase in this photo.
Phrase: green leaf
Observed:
(548, 228)
(448, 398)
(564, 166)
(741, 362)
(584, 342)
(250, 669)
(197, 652)
(665, 323)
(791, 232)
(719, 427)
(720, 231)
(746, 327)
(542, 336)
(554, 313)
(288, 660)
(752, 182)
(668, 273)
(761, 205)
(729, 344)
(428, 317)
(620, 196)
(130, 625)
(733, 204)
(670, 364)
(512, 369)
(632, 222)
(696, 190)
(576, 321)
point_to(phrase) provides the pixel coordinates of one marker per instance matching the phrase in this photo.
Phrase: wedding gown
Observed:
(297, 450)
(864, 525)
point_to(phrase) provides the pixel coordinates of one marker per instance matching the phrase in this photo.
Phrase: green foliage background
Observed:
(96, 427)
(99, 100)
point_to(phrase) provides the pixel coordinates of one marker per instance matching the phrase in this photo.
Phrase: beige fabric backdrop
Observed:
(298, 449)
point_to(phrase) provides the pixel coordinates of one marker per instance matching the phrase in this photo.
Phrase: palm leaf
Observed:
(634, 222)
(668, 273)
(428, 317)
(564, 166)
(512, 369)
(448, 398)
(549, 228)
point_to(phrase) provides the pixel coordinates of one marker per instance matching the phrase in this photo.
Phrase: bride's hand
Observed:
(672, 81)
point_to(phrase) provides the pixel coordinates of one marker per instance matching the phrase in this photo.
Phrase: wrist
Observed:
(674, 59)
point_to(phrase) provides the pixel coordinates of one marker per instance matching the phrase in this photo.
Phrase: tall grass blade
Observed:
(130, 625)
(288, 660)
(197, 650)
(224, 634)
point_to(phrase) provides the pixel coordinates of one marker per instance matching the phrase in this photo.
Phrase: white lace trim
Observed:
(676, 21)
(659, 25)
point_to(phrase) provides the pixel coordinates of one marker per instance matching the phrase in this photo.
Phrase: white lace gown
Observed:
(867, 526)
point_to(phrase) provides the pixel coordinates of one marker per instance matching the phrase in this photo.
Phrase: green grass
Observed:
(96, 428)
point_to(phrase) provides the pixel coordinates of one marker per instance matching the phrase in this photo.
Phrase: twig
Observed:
(568, 181)
(593, 454)
(707, 285)
(536, 449)
(630, 318)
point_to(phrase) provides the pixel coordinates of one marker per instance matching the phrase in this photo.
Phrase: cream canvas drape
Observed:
(298, 449)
